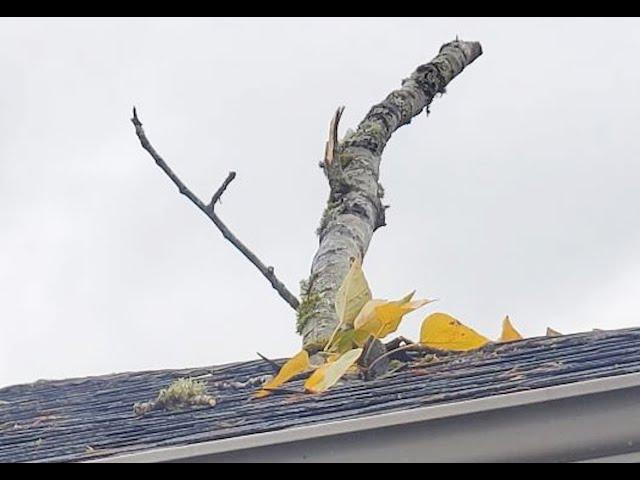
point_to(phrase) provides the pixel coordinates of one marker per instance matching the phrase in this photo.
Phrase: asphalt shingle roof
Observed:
(79, 419)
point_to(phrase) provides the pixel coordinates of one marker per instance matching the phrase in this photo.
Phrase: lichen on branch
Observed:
(354, 209)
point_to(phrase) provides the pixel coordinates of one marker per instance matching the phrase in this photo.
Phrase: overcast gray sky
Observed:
(518, 194)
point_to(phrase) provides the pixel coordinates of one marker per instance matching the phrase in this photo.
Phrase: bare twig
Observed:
(280, 390)
(368, 345)
(220, 191)
(208, 210)
(395, 343)
(413, 347)
(274, 366)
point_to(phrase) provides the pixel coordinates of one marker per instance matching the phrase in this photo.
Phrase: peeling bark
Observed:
(354, 209)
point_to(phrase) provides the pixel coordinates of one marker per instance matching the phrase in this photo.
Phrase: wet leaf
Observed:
(327, 375)
(353, 294)
(382, 317)
(295, 365)
(442, 331)
(509, 333)
(368, 312)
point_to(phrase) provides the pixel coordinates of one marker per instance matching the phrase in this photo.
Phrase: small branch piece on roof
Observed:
(252, 382)
(182, 393)
(208, 210)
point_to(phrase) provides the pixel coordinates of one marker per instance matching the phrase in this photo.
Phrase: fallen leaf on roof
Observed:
(552, 333)
(442, 331)
(381, 317)
(295, 365)
(327, 375)
(509, 333)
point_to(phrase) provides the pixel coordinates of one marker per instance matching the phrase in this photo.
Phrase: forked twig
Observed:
(208, 210)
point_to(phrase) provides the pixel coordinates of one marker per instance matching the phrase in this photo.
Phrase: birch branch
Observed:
(354, 209)
(208, 210)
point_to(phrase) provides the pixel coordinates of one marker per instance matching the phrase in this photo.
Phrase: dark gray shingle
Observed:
(71, 420)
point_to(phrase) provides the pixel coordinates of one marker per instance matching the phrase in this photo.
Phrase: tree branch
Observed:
(355, 210)
(208, 210)
(220, 191)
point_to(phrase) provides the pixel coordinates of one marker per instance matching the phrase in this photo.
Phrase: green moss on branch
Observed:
(308, 304)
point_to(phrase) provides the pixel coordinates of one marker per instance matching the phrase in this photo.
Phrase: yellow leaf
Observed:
(352, 295)
(295, 365)
(327, 375)
(444, 332)
(381, 317)
(368, 312)
(407, 298)
(552, 333)
(509, 334)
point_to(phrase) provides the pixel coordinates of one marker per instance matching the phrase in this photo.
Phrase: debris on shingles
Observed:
(97, 410)
(275, 366)
(182, 393)
(396, 366)
(235, 385)
(374, 361)
(35, 422)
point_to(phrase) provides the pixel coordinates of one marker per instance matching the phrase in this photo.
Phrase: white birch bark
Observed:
(354, 209)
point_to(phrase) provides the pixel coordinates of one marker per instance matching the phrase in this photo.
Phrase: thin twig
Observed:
(220, 191)
(282, 390)
(208, 210)
(161, 163)
(274, 366)
(329, 343)
(395, 343)
(368, 345)
(415, 347)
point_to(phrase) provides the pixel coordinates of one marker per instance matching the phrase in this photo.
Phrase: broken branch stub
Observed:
(354, 209)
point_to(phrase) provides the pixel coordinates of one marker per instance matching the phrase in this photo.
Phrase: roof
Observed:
(91, 418)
